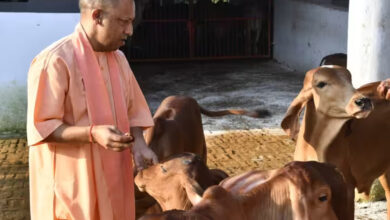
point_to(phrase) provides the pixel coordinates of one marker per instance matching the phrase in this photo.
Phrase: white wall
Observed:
(22, 36)
(306, 32)
(368, 46)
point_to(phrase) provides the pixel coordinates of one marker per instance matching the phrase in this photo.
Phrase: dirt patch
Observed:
(239, 151)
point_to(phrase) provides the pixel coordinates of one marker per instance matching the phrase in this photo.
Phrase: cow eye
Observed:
(321, 85)
(323, 198)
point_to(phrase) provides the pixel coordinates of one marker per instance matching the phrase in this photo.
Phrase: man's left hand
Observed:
(143, 155)
(384, 89)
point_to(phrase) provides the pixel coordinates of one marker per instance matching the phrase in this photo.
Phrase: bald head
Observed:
(93, 4)
(107, 23)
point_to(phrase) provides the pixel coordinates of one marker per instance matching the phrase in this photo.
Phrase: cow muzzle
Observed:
(364, 103)
(360, 107)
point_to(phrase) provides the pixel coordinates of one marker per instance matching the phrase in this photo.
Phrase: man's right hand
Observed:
(109, 137)
(384, 89)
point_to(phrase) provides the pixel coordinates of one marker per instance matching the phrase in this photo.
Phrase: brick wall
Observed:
(14, 194)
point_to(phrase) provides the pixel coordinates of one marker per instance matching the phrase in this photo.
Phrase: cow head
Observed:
(302, 190)
(312, 188)
(172, 182)
(331, 90)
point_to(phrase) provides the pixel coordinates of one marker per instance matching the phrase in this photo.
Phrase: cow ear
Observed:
(158, 126)
(218, 175)
(159, 122)
(290, 122)
(168, 114)
(194, 191)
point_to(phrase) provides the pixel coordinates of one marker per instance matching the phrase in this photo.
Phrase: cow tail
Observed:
(259, 113)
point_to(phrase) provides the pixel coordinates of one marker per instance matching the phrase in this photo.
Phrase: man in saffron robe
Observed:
(85, 120)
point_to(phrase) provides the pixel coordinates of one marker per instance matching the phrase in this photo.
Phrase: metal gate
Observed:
(201, 29)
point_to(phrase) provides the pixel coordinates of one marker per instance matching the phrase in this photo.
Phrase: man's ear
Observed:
(97, 16)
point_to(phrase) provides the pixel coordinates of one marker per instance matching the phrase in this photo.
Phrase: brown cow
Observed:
(171, 181)
(300, 190)
(178, 126)
(332, 132)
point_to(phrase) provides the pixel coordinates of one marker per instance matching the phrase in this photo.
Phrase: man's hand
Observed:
(111, 138)
(384, 89)
(143, 155)
(108, 136)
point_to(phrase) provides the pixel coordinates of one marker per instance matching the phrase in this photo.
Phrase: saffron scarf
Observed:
(116, 184)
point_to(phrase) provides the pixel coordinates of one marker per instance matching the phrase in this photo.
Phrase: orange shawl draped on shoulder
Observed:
(113, 170)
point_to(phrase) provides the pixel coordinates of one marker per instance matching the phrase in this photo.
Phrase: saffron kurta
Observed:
(69, 181)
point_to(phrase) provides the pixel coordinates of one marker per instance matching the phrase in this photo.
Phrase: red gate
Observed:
(200, 29)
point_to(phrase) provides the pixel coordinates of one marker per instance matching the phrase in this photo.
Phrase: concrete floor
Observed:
(249, 84)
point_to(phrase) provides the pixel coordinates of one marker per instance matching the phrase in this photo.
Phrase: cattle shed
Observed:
(255, 51)
(295, 33)
(189, 30)
(202, 29)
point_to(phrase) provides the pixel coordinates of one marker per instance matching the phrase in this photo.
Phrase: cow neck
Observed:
(319, 130)
(275, 200)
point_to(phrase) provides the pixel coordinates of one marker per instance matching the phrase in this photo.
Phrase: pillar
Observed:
(368, 40)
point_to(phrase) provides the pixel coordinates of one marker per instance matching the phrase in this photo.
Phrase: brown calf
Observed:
(342, 126)
(178, 126)
(300, 190)
(171, 182)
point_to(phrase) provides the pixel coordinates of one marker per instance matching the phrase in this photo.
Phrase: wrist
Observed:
(91, 138)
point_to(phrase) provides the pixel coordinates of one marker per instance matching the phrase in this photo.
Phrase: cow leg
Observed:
(204, 153)
(351, 202)
(385, 182)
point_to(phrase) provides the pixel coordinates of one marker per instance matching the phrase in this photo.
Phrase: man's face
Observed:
(116, 25)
